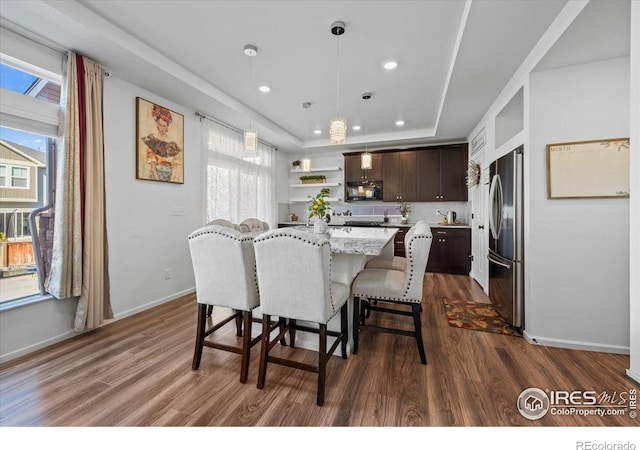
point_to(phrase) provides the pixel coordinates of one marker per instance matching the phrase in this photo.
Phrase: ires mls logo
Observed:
(533, 403)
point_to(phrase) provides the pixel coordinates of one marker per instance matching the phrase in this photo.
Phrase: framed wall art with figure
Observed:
(159, 143)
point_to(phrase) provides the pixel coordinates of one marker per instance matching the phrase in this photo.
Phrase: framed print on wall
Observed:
(159, 143)
(588, 169)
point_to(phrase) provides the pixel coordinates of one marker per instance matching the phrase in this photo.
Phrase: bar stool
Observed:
(255, 225)
(396, 287)
(224, 267)
(294, 277)
(393, 262)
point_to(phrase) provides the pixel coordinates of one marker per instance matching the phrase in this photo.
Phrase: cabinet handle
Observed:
(441, 232)
(481, 227)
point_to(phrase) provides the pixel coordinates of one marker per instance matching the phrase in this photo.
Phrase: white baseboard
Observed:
(575, 345)
(38, 345)
(71, 333)
(635, 376)
(153, 303)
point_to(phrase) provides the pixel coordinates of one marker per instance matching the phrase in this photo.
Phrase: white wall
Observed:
(634, 307)
(577, 254)
(144, 239)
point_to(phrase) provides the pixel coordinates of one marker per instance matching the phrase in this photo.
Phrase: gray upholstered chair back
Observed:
(294, 275)
(225, 223)
(417, 245)
(224, 266)
(255, 225)
(410, 233)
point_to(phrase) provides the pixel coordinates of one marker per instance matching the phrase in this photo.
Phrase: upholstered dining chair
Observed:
(225, 223)
(395, 287)
(391, 262)
(255, 225)
(294, 277)
(224, 267)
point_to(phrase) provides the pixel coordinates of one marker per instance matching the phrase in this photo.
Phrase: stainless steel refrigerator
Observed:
(506, 238)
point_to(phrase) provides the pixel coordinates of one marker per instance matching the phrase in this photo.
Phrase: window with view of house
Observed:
(29, 128)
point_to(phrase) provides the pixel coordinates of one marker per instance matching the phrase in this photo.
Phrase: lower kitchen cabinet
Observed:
(450, 250)
(398, 242)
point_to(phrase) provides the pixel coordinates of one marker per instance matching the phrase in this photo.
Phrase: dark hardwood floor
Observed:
(137, 372)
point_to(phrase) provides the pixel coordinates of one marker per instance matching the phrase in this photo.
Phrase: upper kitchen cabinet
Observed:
(399, 176)
(441, 173)
(354, 173)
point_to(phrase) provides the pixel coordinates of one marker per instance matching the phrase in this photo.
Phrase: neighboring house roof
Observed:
(39, 158)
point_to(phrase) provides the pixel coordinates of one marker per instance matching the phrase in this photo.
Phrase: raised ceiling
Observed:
(454, 58)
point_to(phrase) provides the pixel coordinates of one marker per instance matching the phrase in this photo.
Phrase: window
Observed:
(20, 177)
(239, 184)
(29, 127)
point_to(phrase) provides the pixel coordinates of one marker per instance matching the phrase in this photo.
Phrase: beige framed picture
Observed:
(159, 143)
(588, 169)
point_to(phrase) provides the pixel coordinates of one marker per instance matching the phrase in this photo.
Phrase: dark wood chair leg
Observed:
(264, 350)
(238, 322)
(202, 320)
(283, 324)
(209, 310)
(292, 333)
(356, 323)
(247, 317)
(322, 363)
(344, 328)
(418, 326)
(365, 311)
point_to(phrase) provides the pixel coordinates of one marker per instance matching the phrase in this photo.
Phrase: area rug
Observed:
(478, 317)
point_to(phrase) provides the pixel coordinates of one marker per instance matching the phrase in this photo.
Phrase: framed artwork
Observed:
(159, 143)
(588, 169)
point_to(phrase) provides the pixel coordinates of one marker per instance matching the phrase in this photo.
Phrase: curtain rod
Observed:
(232, 128)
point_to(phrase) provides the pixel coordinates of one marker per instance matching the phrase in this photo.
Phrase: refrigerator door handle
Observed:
(495, 207)
(500, 263)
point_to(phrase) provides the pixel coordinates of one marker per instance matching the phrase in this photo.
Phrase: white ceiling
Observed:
(454, 58)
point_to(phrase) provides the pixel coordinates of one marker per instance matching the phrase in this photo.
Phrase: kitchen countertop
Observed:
(388, 224)
(356, 240)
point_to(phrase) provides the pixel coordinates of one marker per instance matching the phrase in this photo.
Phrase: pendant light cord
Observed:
(337, 75)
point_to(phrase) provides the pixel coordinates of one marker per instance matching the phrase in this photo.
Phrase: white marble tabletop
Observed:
(356, 240)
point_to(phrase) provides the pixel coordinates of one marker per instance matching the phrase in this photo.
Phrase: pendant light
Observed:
(306, 162)
(337, 125)
(366, 159)
(250, 135)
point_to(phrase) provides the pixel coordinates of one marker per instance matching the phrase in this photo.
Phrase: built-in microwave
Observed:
(356, 191)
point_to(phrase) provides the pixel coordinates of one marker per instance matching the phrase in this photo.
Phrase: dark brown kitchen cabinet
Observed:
(398, 241)
(450, 250)
(354, 173)
(399, 176)
(441, 174)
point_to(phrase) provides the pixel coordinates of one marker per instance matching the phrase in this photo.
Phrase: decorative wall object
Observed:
(160, 143)
(478, 141)
(473, 174)
(588, 169)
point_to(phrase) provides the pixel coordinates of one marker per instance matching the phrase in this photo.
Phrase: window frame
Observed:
(12, 177)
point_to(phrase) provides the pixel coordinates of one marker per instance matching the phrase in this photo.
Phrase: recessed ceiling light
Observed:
(356, 128)
(264, 88)
(399, 123)
(317, 131)
(390, 65)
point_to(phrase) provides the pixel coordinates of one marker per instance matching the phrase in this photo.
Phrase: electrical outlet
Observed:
(167, 274)
(178, 211)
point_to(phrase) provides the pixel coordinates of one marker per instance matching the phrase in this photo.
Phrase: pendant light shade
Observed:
(250, 140)
(337, 130)
(306, 165)
(337, 125)
(366, 161)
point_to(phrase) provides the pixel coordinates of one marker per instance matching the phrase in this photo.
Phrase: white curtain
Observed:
(239, 183)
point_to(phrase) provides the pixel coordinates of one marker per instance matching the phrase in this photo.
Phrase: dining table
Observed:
(351, 249)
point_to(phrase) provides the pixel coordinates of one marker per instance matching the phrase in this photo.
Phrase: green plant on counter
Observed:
(3, 236)
(404, 209)
(319, 204)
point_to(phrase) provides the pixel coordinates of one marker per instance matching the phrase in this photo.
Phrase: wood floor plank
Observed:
(137, 372)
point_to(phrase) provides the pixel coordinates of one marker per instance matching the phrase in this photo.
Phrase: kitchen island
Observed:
(351, 248)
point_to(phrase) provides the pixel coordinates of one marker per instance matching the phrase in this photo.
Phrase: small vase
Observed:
(320, 226)
(404, 219)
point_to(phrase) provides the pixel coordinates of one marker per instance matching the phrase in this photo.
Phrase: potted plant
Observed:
(318, 206)
(404, 209)
(296, 164)
(312, 179)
